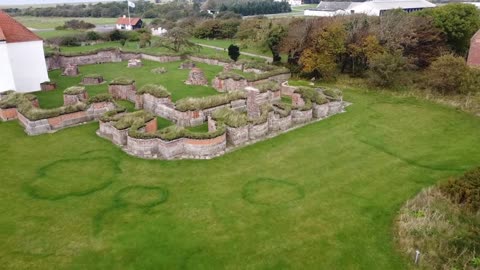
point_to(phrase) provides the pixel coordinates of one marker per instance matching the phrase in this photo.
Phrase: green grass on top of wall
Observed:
(173, 80)
(323, 196)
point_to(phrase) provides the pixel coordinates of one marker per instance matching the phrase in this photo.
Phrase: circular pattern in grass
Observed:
(73, 177)
(266, 191)
(142, 196)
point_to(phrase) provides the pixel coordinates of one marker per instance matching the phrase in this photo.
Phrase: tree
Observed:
(274, 38)
(233, 52)
(458, 21)
(320, 59)
(175, 40)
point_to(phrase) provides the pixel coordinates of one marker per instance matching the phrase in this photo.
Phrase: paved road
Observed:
(269, 59)
(98, 28)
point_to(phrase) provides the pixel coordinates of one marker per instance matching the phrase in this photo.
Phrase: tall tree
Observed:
(458, 21)
(233, 52)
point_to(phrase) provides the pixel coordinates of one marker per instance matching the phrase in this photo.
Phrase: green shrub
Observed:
(195, 104)
(29, 111)
(74, 90)
(268, 86)
(333, 93)
(311, 95)
(138, 118)
(103, 97)
(158, 91)
(281, 108)
(386, 69)
(122, 81)
(230, 117)
(12, 100)
(464, 190)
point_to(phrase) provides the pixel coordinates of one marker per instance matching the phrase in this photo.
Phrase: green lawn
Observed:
(323, 196)
(224, 43)
(173, 80)
(57, 33)
(52, 22)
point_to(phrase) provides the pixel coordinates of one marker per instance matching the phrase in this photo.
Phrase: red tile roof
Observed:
(133, 21)
(13, 31)
(473, 59)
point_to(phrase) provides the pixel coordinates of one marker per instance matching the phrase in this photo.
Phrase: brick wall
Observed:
(8, 114)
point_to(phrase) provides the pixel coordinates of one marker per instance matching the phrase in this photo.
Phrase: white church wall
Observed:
(28, 65)
(6, 78)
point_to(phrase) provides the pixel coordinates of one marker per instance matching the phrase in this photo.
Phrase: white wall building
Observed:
(292, 3)
(372, 7)
(22, 60)
(125, 23)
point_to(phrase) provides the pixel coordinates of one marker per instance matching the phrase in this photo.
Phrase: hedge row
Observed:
(158, 91)
(195, 104)
(12, 99)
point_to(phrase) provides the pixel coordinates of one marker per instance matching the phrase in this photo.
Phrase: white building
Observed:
(372, 7)
(22, 60)
(125, 23)
(292, 3)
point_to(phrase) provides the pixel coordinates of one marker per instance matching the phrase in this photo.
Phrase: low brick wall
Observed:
(259, 131)
(8, 114)
(335, 107)
(276, 122)
(227, 85)
(237, 136)
(301, 117)
(320, 111)
(92, 80)
(158, 148)
(117, 136)
(48, 86)
(120, 91)
(215, 62)
(36, 127)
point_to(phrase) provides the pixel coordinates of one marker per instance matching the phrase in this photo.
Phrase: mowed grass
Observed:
(323, 196)
(52, 22)
(173, 80)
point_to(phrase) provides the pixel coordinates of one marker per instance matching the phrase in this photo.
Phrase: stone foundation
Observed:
(237, 136)
(301, 117)
(70, 70)
(48, 86)
(123, 91)
(74, 99)
(320, 111)
(92, 80)
(8, 114)
(196, 77)
(36, 127)
(134, 63)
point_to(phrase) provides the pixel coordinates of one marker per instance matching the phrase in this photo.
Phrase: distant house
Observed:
(22, 60)
(125, 23)
(372, 7)
(292, 3)
(473, 59)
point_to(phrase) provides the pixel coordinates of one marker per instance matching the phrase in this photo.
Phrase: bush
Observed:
(282, 108)
(464, 190)
(137, 119)
(450, 74)
(158, 91)
(74, 90)
(103, 97)
(333, 93)
(122, 81)
(386, 69)
(28, 110)
(12, 100)
(117, 35)
(311, 95)
(93, 36)
(230, 117)
(195, 104)
(78, 24)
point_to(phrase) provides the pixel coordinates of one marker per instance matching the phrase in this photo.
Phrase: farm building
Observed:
(473, 59)
(22, 60)
(372, 8)
(124, 23)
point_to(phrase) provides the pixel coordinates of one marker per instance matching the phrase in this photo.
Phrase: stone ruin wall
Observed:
(36, 127)
(229, 84)
(121, 91)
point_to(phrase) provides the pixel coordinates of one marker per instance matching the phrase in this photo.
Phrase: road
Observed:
(269, 59)
(98, 28)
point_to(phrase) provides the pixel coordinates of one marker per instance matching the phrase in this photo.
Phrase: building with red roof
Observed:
(125, 23)
(22, 60)
(473, 59)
